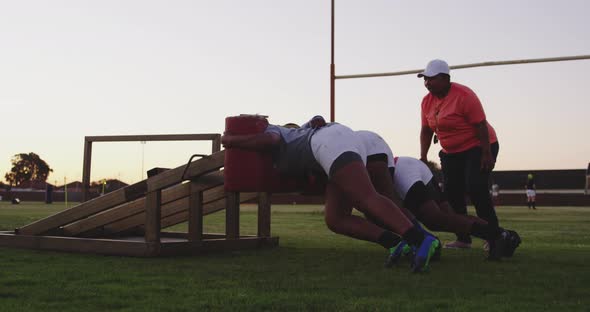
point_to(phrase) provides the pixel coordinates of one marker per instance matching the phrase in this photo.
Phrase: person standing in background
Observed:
(531, 192)
(469, 144)
(587, 179)
(495, 193)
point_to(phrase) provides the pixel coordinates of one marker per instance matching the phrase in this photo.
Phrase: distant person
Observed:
(531, 192)
(453, 115)
(495, 193)
(587, 179)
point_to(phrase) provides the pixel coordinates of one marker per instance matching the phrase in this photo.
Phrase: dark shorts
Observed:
(343, 160)
(420, 193)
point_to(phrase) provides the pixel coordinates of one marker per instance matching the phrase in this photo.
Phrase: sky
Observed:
(76, 68)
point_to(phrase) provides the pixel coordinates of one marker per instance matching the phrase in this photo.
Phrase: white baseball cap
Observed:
(434, 68)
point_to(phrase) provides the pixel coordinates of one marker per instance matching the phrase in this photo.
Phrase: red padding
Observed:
(252, 171)
(246, 171)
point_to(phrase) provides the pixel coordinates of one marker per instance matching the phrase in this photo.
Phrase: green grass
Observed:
(313, 269)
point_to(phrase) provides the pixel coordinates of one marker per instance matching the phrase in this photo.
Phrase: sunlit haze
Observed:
(76, 68)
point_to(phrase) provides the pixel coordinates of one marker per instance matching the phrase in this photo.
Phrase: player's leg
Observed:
(453, 168)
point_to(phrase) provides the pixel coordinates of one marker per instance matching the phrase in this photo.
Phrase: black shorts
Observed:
(420, 193)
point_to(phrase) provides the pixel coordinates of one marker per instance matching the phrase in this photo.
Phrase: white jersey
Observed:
(331, 141)
(408, 171)
(374, 144)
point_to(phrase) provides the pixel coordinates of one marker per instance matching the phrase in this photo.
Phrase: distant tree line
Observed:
(27, 167)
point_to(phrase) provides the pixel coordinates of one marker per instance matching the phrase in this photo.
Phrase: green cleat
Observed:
(396, 252)
(424, 254)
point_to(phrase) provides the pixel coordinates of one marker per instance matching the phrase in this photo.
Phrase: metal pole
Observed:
(482, 64)
(332, 72)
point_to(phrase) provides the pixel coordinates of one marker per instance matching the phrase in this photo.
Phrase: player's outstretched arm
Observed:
(257, 142)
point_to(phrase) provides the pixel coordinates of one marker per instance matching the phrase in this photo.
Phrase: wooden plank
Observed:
(232, 215)
(112, 215)
(155, 171)
(195, 214)
(154, 137)
(209, 181)
(264, 214)
(153, 203)
(209, 208)
(86, 169)
(196, 168)
(73, 244)
(216, 144)
(212, 195)
(85, 209)
(182, 215)
(131, 223)
(132, 247)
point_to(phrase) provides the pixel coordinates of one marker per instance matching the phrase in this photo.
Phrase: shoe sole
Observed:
(422, 264)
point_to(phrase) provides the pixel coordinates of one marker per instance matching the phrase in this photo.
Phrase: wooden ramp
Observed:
(128, 221)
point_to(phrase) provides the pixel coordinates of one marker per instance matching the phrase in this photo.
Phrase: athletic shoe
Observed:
(437, 252)
(424, 253)
(486, 246)
(513, 241)
(504, 246)
(395, 253)
(497, 247)
(458, 245)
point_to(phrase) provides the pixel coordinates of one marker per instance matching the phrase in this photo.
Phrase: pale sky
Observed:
(75, 68)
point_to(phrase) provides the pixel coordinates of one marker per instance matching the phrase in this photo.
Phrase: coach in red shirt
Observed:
(469, 144)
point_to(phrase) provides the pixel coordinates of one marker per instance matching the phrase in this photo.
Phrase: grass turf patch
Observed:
(312, 269)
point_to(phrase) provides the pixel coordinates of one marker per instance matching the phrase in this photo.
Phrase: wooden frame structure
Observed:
(129, 221)
(215, 139)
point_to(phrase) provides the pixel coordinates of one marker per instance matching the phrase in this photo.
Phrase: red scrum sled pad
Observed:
(246, 171)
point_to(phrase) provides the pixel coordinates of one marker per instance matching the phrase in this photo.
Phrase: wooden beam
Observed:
(216, 144)
(112, 215)
(86, 170)
(195, 214)
(264, 214)
(154, 137)
(218, 205)
(232, 215)
(85, 209)
(209, 181)
(196, 168)
(209, 196)
(79, 245)
(153, 211)
(132, 246)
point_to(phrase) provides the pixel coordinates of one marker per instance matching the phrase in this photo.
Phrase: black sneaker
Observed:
(497, 247)
(513, 241)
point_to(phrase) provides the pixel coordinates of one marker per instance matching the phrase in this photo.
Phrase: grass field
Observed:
(312, 270)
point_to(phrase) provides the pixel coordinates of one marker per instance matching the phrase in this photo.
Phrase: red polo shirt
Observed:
(453, 118)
